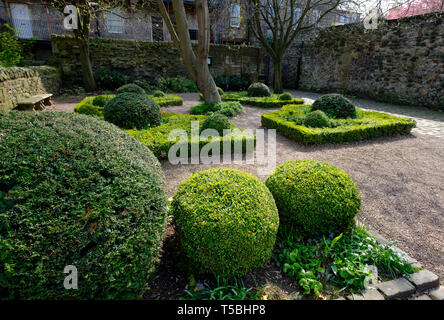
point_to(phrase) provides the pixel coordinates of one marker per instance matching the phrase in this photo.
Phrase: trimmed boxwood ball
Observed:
(317, 119)
(315, 198)
(75, 190)
(131, 110)
(131, 87)
(216, 121)
(159, 94)
(285, 96)
(226, 220)
(101, 100)
(258, 89)
(221, 92)
(335, 106)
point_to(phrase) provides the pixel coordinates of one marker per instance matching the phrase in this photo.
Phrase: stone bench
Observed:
(37, 102)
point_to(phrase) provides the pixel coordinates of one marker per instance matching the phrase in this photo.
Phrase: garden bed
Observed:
(156, 138)
(272, 101)
(368, 125)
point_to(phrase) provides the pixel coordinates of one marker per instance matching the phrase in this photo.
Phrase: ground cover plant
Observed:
(272, 101)
(226, 221)
(156, 138)
(229, 108)
(75, 190)
(289, 121)
(337, 263)
(95, 105)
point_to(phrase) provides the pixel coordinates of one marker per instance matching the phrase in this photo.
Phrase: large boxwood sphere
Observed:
(335, 105)
(226, 220)
(78, 191)
(314, 197)
(258, 89)
(132, 110)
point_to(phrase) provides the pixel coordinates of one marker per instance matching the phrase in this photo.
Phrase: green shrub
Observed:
(10, 48)
(216, 121)
(145, 85)
(101, 100)
(229, 109)
(232, 82)
(168, 100)
(110, 79)
(157, 138)
(221, 92)
(176, 84)
(335, 106)
(158, 94)
(368, 125)
(89, 109)
(273, 101)
(226, 221)
(130, 110)
(77, 191)
(285, 96)
(258, 89)
(314, 197)
(317, 119)
(130, 87)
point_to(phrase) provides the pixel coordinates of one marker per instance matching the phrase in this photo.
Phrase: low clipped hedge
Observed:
(130, 87)
(131, 110)
(100, 101)
(226, 220)
(228, 108)
(368, 125)
(156, 139)
(272, 101)
(78, 191)
(314, 198)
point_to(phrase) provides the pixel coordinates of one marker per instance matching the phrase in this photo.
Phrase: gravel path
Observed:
(400, 179)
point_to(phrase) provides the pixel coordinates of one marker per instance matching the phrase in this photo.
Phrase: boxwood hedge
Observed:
(272, 101)
(368, 125)
(226, 220)
(156, 139)
(78, 191)
(313, 197)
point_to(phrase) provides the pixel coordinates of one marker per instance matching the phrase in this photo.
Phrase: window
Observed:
(235, 15)
(193, 34)
(344, 18)
(114, 20)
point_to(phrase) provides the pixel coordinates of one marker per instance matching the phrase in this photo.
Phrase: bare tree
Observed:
(276, 24)
(196, 61)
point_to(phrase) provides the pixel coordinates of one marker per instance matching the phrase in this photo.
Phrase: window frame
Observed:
(114, 21)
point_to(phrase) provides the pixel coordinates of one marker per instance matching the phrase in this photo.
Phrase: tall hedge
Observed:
(76, 191)
(226, 220)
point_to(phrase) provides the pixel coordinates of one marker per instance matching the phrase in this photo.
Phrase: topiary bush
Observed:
(221, 92)
(335, 106)
(101, 100)
(131, 87)
(314, 197)
(258, 89)
(216, 121)
(131, 110)
(78, 191)
(317, 119)
(285, 96)
(226, 220)
(158, 94)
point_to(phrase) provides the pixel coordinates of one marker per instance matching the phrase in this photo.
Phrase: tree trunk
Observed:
(205, 81)
(277, 76)
(87, 72)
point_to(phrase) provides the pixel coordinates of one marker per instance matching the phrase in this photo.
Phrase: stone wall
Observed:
(149, 60)
(16, 83)
(401, 61)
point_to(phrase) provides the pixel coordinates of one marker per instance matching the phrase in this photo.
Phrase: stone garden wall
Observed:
(401, 61)
(16, 83)
(149, 60)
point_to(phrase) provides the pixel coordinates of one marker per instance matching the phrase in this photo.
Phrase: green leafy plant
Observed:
(314, 197)
(90, 110)
(158, 94)
(229, 108)
(226, 220)
(130, 87)
(258, 89)
(316, 119)
(100, 101)
(77, 191)
(285, 96)
(111, 79)
(131, 110)
(343, 261)
(335, 106)
(10, 49)
(216, 121)
(176, 84)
